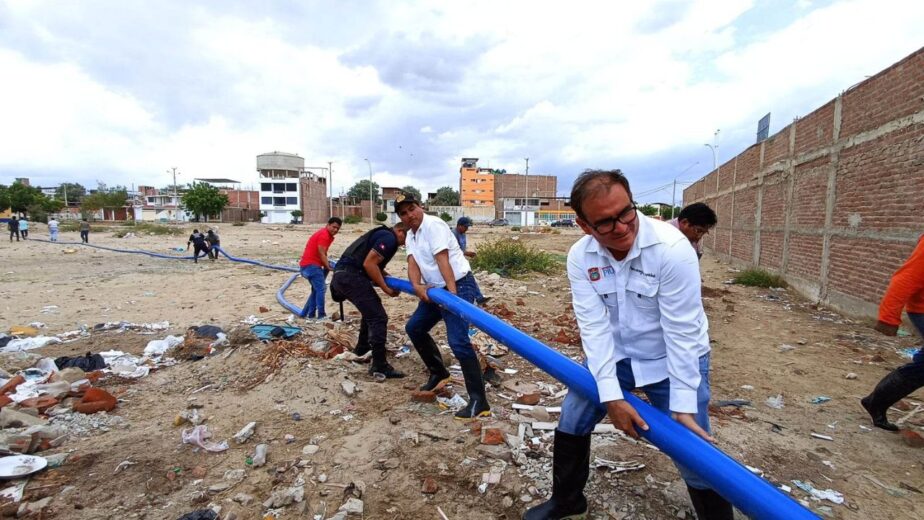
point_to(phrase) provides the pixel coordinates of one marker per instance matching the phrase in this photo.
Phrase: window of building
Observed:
(266, 186)
(292, 200)
(279, 201)
(266, 200)
(291, 187)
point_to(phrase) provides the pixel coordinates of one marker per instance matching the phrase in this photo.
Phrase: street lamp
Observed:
(674, 190)
(371, 199)
(715, 150)
(330, 186)
(526, 200)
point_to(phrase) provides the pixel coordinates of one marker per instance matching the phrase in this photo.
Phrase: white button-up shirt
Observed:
(647, 307)
(431, 237)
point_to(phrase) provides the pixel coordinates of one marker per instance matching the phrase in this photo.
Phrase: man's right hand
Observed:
(624, 417)
(421, 292)
(885, 328)
(391, 292)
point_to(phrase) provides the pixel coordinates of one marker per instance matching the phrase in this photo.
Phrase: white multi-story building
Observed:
(280, 193)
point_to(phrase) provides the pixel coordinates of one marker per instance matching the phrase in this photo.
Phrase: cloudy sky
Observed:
(120, 91)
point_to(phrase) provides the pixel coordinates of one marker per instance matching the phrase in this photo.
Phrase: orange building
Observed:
(476, 185)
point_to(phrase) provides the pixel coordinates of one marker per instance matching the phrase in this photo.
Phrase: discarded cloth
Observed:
(202, 514)
(87, 363)
(199, 436)
(268, 331)
(29, 343)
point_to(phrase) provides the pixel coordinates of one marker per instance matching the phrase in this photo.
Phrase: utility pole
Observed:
(176, 202)
(371, 197)
(526, 200)
(330, 186)
(674, 190)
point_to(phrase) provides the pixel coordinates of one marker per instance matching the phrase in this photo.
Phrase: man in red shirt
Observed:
(314, 266)
(906, 291)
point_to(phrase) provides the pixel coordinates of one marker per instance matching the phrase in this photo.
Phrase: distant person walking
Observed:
(199, 244)
(13, 226)
(214, 242)
(906, 291)
(84, 231)
(24, 228)
(459, 232)
(315, 266)
(694, 222)
(53, 229)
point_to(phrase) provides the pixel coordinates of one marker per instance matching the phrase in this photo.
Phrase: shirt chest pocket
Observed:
(642, 293)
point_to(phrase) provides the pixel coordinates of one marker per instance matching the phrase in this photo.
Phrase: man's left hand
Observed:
(689, 420)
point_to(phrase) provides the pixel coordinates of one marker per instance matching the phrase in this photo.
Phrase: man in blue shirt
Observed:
(459, 231)
(361, 267)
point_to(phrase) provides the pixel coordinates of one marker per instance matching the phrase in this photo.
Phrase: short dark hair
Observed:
(400, 226)
(335, 220)
(592, 182)
(698, 214)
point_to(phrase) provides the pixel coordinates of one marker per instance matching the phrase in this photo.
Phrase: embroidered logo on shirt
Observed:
(594, 273)
(608, 271)
(643, 273)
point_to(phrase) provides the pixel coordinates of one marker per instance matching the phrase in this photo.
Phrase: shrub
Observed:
(445, 216)
(381, 217)
(238, 224)
(149, 228)
(513, 258)
(515, 228)
(352, 219)
(759, 278)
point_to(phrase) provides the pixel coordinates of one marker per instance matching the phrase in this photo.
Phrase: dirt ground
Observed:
(383, 448)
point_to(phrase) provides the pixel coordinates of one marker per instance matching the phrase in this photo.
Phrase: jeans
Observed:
(85, 236)
(54, 235)
(359, 290)
(579, 414)
(428, 315)
(315, 304)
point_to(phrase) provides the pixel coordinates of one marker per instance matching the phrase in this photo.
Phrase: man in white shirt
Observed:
(53, 229)
(635, 287)
(694, 222)
(435, 259)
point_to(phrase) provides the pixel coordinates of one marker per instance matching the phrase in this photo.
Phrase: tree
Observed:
(445, 216)
(22, 196)
(204, 199)
(410, 190)
(297, 214)
(446, 196)
(648, 209)
(666, 212)
(116, 198)
(4, 197)
(74, 191)
(381, 217)
(360, 190)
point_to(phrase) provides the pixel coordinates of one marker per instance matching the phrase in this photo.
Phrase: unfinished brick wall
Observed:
(834, 202)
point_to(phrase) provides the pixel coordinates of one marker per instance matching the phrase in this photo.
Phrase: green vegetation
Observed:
(759, 278)
(360, 190)
(204, 200)
(381, 217)
(445, 216)
(297, 214)
(238, 224)
(147, 228)
(445, 196)
(513, 258)
(515, 228)
(412, 191)
(352, 219)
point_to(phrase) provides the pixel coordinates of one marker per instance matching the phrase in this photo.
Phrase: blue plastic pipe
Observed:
(281, 298)
(753, 495)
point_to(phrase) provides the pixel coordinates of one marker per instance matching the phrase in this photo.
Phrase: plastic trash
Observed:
(201, 514)
(129, 370)
(157, 347)
(775, 402)
(828, 494)
(199, 436)
(259, 456)
(245, 433)
(820, 399)
(17, 345)
(403, 351)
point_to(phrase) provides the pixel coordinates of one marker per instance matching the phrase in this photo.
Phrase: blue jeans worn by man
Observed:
(316, 275)
(428, 315)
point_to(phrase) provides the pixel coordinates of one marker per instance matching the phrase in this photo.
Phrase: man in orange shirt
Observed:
(315, 266)
(906, 291)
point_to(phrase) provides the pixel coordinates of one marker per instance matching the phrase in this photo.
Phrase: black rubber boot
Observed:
(570, 469)
(474, 384)
(710, 505)
(381, 366)
(893, 387)
(430, 355)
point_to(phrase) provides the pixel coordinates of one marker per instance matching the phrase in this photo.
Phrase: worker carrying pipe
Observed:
(635, 286)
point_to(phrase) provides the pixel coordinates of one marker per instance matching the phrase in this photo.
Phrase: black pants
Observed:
(24, 233)
(358, 290)
(14, 234)
(85, 236)
(197, 249)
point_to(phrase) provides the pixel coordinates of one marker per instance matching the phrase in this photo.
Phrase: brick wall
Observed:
(832, 202)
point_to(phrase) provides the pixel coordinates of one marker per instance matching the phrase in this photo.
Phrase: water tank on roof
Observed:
(280, 161)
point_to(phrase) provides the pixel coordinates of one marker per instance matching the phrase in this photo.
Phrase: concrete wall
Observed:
(834, 201)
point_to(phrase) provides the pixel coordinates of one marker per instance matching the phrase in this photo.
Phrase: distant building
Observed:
(153, 206)
(476, 185)
(286, 185)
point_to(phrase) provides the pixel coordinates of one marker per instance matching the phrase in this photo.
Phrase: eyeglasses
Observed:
(626, 217)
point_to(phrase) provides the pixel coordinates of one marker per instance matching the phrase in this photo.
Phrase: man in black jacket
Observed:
(359, 269)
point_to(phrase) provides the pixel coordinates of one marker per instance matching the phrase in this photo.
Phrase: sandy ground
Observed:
(380, 446)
